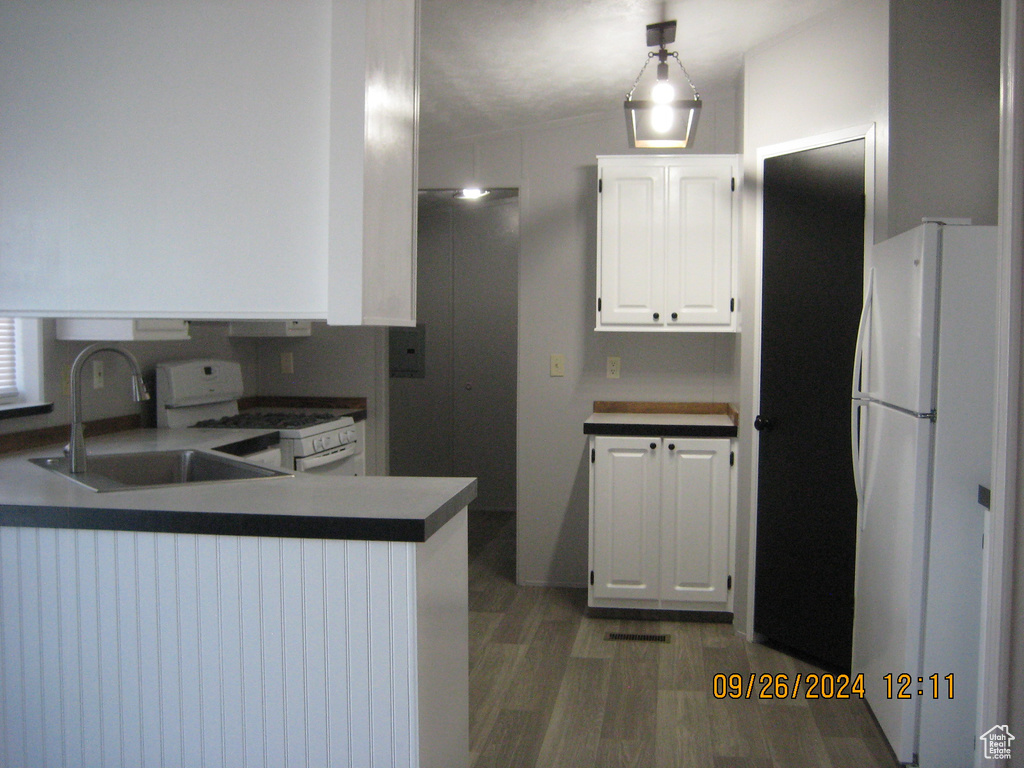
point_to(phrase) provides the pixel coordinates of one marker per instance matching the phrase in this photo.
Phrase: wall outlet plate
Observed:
(614, 367)
(99, 374)
(558, 364)
(287, 362)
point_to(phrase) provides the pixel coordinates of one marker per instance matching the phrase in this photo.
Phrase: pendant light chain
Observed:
(653, 54)
(685, 73)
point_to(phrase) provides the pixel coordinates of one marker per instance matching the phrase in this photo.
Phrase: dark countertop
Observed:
(318, 506)
(660, 425)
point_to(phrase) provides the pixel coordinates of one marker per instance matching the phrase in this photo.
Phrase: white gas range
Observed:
(205, 393)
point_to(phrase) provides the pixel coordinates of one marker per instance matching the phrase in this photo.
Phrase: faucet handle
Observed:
(139, 390)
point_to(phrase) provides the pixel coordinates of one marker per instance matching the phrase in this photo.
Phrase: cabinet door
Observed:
(695, 520)
(625, 513)
(698, 245)
(631, 245)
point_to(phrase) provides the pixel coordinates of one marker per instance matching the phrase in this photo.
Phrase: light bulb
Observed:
(662, 92)
(471, 193)
(661, 118)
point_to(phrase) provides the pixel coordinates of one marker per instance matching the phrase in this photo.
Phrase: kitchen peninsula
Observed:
(293, 621)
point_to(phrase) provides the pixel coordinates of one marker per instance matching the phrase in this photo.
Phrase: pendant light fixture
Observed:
(663, 120)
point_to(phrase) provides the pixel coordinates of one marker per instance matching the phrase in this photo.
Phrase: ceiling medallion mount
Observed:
(662, 121)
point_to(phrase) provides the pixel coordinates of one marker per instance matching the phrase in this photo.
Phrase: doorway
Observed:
(813, 241)
(455, 415)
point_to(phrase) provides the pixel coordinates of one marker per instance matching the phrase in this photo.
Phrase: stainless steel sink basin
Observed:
(157, 469)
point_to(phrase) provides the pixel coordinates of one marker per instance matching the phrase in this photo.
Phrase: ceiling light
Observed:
(471, 193)
(662, 121)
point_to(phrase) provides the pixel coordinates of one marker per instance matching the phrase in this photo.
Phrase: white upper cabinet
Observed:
(94, 329)
(667, 243)
(183, 158)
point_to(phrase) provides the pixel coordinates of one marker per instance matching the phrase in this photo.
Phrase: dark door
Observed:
(811, 301)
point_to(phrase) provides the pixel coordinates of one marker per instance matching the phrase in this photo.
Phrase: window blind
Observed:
(8, 360)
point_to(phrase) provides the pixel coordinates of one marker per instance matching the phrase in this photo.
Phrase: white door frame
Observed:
(995, 670)
(867, 133)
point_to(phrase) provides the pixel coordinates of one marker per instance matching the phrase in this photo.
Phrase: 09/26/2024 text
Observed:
(825, 686)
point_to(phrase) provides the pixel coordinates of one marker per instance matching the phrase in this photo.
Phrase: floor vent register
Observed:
(637, 637)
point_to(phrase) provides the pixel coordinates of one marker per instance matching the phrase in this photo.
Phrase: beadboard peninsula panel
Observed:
(157, 649)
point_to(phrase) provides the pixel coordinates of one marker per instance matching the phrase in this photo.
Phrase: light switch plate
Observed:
(98, 374)
(614, 367)
(558, 364)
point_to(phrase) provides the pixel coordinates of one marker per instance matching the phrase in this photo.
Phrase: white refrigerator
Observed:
(921, 428)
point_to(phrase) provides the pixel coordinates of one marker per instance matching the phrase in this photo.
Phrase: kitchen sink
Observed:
(157, 469)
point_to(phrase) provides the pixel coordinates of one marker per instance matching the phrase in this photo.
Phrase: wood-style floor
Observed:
(547, 690)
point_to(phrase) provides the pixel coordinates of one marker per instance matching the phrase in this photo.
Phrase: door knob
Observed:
(763, 424)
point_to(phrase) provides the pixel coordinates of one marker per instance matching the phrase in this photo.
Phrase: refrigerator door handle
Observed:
(858, 480)
(858, 398)
(862, 331)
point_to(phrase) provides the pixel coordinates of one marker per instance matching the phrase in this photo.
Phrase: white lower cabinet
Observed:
(660, 523)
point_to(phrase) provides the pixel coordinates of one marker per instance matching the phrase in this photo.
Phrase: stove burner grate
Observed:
(269, 420)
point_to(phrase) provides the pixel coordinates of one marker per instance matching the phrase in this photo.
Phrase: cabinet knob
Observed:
(671, 446)
(654, 446)
(675, 315)
(656, 315)
(763, 424)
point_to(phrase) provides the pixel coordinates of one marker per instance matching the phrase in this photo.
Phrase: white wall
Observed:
(554, 166)
(827, 75)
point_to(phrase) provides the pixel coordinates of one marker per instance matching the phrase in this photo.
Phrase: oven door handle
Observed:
(322, 459)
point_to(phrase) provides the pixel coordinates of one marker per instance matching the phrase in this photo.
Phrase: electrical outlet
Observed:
(287, 362)
(98, 374)
(558, 365)
(614, 367)
(65, 382)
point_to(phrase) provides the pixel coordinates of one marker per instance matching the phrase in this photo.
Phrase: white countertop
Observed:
(329, 506)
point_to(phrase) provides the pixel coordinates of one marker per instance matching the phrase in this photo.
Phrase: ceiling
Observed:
(491, 65)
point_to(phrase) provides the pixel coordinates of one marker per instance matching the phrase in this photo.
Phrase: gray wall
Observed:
(943, 110)
(334, 361)
(555, 168)
(208, 340)
(828, 75)
(834, 73)
(459, 418)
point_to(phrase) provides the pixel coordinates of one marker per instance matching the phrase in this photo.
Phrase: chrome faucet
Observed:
(76, 446)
